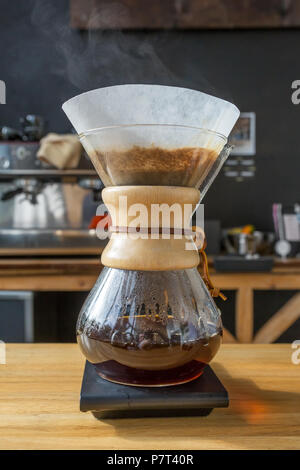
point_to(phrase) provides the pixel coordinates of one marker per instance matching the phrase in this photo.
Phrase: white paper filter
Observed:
(150, 104)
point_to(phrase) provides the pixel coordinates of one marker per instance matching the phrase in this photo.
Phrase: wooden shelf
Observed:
(183, 14)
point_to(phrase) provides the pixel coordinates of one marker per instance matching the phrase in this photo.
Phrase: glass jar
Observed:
(149, 328)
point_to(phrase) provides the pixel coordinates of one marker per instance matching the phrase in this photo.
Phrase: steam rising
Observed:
(93, 58)
(45, 62)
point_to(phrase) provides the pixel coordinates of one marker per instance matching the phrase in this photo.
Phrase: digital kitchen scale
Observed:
(110, 400)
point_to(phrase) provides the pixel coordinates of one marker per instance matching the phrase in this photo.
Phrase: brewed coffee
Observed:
(137, 351)
(149, 328)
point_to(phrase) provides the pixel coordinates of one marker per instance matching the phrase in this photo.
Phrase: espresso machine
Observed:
(150, 327)
(44, 210)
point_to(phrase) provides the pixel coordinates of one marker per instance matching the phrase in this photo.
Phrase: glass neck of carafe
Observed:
(215, 169)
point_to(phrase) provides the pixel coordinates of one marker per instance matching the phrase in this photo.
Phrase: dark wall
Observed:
(44, 62)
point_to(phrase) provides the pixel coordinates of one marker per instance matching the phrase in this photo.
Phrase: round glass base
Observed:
(118, 373)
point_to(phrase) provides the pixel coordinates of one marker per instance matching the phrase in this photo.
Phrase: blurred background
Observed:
(246, 54)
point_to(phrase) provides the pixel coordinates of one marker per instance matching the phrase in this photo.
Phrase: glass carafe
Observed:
(159, 327)
(149, 328)
(150, 320)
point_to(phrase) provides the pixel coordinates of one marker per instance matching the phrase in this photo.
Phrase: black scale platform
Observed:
(109, 400)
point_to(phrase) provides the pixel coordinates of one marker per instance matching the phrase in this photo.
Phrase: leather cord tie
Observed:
(214, 291)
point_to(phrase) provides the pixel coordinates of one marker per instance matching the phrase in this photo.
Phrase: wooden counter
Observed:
(80, 274)
(39, 404)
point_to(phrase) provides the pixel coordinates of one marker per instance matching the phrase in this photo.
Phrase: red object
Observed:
(104, 220)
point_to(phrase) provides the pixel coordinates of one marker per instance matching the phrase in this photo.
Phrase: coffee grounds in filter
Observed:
(156, 166)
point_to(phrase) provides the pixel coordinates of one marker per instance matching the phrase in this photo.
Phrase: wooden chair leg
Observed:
(244, 314)
(279, 322)
(228, 337)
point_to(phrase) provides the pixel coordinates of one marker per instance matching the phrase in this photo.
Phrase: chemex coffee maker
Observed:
(150, 326)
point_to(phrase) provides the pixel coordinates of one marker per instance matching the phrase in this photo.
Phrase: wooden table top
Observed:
(39, 404)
